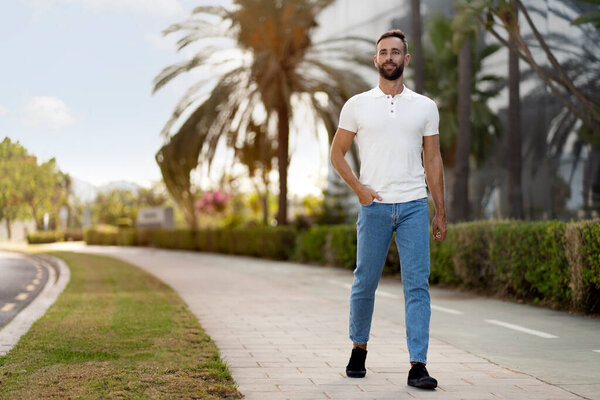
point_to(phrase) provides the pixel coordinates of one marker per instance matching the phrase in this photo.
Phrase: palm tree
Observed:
(417, 45)
(513, 134)
(270, 68)
(442, 84)
(460, 192)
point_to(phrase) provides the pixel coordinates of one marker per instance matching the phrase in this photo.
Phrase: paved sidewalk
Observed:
(282, 329)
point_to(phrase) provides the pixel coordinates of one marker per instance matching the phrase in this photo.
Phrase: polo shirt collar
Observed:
(377, 92)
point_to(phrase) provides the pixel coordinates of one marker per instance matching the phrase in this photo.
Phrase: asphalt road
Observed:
(21, 280)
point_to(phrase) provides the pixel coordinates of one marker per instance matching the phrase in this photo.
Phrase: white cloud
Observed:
(3, 110)
(155, 8)
(47, 112)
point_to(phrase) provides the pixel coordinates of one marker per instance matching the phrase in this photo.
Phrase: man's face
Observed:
(390, 58)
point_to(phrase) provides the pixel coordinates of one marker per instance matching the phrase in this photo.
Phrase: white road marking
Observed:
(22, 296)
(30, 288)
(446, 310)
(36, 282)
(597, 351)
(521, 329)
(8, 307)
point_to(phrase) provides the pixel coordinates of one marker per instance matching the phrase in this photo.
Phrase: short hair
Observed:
(394, 33)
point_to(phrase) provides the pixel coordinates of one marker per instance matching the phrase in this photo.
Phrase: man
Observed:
(393, 126)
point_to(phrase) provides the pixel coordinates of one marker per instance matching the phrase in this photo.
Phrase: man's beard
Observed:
(393, 74)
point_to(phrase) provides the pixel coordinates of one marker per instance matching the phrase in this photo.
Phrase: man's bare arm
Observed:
(434, 173)
(340, 146)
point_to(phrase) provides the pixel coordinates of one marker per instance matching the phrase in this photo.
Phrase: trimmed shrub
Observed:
(470, 255)
(529, 261)
(182, 239)
(341, 246)
(583, 254)
(73, 234)
(310, 244)
(442, 259)
(45, 237)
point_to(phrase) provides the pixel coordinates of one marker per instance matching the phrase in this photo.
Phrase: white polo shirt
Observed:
(389, 133)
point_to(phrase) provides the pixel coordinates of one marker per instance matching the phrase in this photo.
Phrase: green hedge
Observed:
(552, 263)
(54, 236)
(45, 237)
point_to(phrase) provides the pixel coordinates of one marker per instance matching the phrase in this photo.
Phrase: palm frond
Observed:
(173, 71)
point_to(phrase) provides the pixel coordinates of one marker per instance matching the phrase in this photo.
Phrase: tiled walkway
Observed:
(282, 329)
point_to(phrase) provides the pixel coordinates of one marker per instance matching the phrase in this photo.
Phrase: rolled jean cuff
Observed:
(419, 360)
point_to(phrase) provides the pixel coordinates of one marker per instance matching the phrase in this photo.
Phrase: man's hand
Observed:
(439, 227)
(367, 195)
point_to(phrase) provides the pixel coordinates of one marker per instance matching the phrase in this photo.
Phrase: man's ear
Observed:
(406, 59)
(375, 60)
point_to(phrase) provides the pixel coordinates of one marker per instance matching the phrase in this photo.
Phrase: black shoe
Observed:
(356, 365)
(419, 377)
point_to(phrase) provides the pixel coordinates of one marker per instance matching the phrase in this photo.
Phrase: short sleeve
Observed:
(348, 116)
(432, 120)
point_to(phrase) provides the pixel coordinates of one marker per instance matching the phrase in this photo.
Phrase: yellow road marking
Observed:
(22, 296)
(8, 307)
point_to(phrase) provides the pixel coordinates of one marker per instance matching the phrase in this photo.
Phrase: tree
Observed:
(460, 193)
(492, 14)
(417, 45)
(276, 65)
(39, 186)
(114, 206)
(513, 135)
(13, 157)
(442, 84)
(573, 81)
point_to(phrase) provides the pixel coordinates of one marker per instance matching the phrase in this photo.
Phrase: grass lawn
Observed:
(115, 332)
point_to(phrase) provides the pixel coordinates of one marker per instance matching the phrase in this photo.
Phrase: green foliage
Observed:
(470, 256)
(265, 32)
(442, 264)
(310, 244)
(45, 237)
(341, 246)
(441, 84)
(529, 260)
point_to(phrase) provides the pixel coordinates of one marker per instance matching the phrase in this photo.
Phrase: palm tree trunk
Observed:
(513, 136)
(283, 125)
(417, 52)
(460, 194)
(8, 231)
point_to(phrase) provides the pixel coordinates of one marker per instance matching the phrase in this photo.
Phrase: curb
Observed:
(59, 276)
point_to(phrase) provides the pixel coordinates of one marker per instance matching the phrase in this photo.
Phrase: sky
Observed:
(76, 84)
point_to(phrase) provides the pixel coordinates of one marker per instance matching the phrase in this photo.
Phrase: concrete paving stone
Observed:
(283, 396)
(252, 387)
(300, 381)
(386, 370)
(249, 373)
(437, 395)
(350, 388)
(384, 395)
(285, 365)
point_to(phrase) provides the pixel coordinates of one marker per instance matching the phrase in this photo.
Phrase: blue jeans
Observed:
(376, 224)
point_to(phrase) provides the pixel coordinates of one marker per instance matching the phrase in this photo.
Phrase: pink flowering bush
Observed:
(212, 203)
